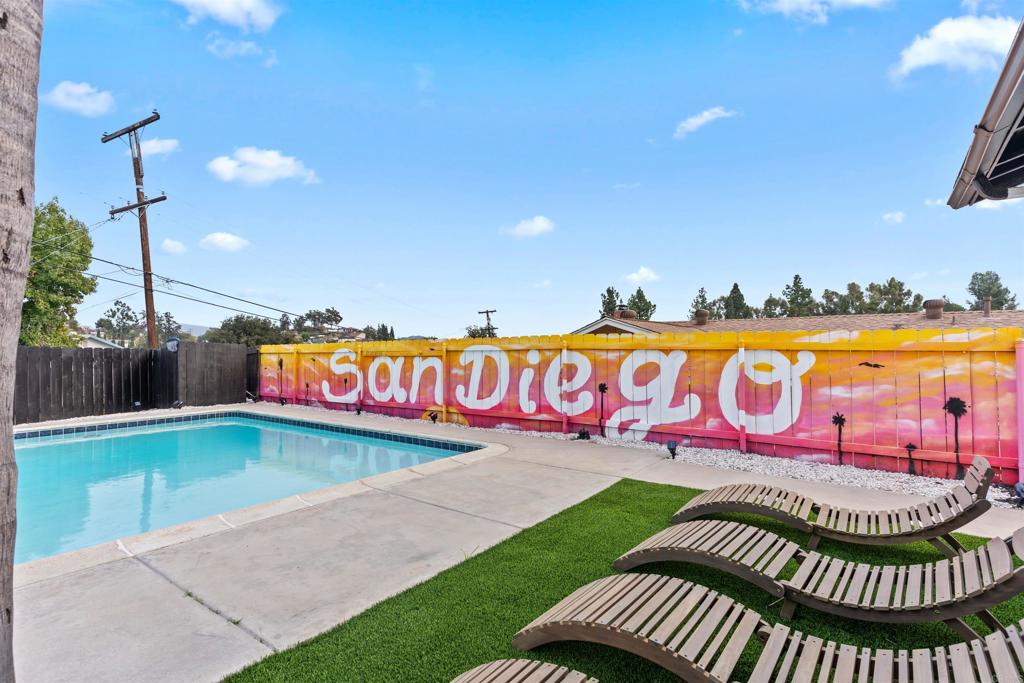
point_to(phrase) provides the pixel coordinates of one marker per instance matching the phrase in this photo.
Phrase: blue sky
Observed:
(414, 163)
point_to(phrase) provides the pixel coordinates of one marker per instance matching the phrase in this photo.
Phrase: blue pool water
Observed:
(79, 490)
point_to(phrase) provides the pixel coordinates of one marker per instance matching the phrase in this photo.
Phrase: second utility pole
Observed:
(141, 203)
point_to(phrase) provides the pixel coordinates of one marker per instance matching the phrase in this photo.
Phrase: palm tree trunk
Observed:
(956, 447)
(21, 28)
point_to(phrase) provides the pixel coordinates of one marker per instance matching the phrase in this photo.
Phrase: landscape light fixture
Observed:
(672, 446)
(177, 405)
(433, 416)
(911, 447)
(583, 435)
(602, 389)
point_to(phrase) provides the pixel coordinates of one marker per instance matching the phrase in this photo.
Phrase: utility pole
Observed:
(140, 204)
(489, 327)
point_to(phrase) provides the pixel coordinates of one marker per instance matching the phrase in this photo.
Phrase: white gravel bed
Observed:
(803, 468)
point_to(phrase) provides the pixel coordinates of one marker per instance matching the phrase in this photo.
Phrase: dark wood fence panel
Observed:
(52, 384)
(252, 373)
(209, 374)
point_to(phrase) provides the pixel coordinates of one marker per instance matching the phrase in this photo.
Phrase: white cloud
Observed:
(969, 43)
(893, 217)
(159, 146)
(532, 227)
(698, 121)
(246, 15)
(970, 5)
(542, 284)
(424, 78)
(255, 166)
(996, 205)
(643, 274)
(223, 48)
(172, 246)
(934, 202)
(223, 241)
(814, 11)
(81, 98)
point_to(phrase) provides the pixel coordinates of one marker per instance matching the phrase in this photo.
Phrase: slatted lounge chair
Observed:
(946, 590)
(929, 521)
(699, 634)
(522, 671)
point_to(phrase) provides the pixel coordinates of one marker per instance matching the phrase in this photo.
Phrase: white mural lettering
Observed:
(393, 389)
(555, 387)
(476, 357)
(340, 368)
(655, 396)
(419, 364)
(787, 409)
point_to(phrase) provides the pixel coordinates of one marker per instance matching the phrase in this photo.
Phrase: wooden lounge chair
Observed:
(929, 521)
(522, 671)
(699, 634)
(946, 590)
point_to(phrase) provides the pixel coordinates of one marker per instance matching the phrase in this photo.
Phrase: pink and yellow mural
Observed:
(775, 393)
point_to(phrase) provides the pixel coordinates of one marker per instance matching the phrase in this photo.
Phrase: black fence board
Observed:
(53, 384)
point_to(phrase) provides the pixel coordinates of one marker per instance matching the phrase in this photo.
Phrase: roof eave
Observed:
(1003, 110)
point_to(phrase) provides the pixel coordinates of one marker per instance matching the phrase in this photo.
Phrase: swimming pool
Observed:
(97, 483)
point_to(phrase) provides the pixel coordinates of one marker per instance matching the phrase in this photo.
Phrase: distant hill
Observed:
(196, 330)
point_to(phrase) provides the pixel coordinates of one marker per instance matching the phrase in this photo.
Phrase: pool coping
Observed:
(42, 569)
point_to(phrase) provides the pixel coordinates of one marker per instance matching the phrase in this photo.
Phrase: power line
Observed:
(181, 296)
(171, 280)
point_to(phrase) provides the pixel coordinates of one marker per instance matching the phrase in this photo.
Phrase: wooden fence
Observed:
(54, 384)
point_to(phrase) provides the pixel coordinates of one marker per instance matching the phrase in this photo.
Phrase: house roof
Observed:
(864, 321)
(995, 159)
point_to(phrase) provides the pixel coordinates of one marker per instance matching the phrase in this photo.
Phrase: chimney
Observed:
(986, 307)
(700, 316)
(933, 308)
(623, 312)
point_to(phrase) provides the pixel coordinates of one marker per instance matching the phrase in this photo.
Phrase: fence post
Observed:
(1019, 386)
(296, 373)
(741, 400)
(444, 382)
(561, 385)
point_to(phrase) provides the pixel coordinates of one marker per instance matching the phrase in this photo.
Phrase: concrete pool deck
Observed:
(198, 606)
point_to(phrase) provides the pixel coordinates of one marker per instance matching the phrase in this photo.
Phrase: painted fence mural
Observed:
(778, 393)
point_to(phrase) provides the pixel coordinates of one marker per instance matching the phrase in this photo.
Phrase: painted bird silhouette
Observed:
(871, 365)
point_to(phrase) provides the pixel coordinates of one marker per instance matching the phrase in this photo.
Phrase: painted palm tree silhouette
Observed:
(911, 447)
(956, 407)
(839, 420)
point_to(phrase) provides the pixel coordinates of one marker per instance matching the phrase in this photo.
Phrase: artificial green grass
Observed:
(468, 614)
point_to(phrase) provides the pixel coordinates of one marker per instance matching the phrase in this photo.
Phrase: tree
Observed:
(700, 302)
(799, 299)
(120, 324)
(480, 331)
(249, 330)
(734, 305)
(641, 305)
(20, 38)
(989, 284)
(610, 299)
(850, 303)
(956, 407)
(950, 306)
(773, 307)
(892, 296)
(379, 333)
(167, 327)
(57, 283)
